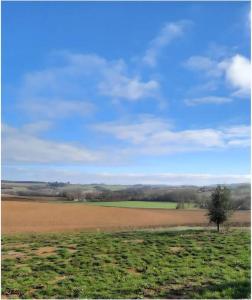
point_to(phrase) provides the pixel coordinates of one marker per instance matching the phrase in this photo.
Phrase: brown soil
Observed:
(13, 254)
(176, 249)
(45, 251)
(134, 241)
(18, 216)
(134, 271)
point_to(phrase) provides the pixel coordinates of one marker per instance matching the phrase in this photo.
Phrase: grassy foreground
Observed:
(143, 264)
(140, 204)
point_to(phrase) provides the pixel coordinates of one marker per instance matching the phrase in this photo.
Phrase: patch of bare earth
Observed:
(45, 251)
(137, 241)
(133, 271)
(11, 296)
(176, 249)
(13, 254)
(21, 216)
(173, 290)
(57, 279)
(72, 248)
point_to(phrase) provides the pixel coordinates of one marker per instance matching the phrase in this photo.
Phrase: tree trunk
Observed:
(218, 227)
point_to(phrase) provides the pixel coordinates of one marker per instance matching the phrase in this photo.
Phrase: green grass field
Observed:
(140, 204)
(142, 264)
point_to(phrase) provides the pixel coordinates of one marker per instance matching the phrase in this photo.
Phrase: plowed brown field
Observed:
(20, 216)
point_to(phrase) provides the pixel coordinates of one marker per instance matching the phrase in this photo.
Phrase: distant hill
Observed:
(240, 193)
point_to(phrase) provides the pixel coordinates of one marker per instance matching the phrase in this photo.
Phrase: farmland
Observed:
(21, 216)
(53, 248)
(140, 204)
(140, 264)
(123, 195)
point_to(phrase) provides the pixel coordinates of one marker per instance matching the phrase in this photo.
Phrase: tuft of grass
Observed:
(142, 264)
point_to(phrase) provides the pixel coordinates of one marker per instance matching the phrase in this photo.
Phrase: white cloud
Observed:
(131, 89)
(36, 127)
(118, 84)
(149, 136)
(237, 131)
(56, 108)
(235, 70)
(207, 100)
(153, 136)
(204, 64)
(168, 33)
(210, 86)
(136, 132)
(71, 87)
(240, 143)
(238, 73)
(22, 145)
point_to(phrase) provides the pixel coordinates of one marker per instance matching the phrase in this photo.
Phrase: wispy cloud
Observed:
(207, 100)
(52, 108)
(135, 132)
(156, 137)
(208, 66)
(34, 127)
(72, 85)
(149, 136)
(131, 89)
(168, 33)
(235, 70)
(116, 81)
(24, 146)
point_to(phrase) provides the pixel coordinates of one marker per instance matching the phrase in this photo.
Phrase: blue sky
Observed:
(126, 92)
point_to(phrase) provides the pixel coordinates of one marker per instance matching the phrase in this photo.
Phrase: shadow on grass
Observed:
(230, 290)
